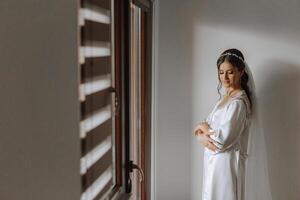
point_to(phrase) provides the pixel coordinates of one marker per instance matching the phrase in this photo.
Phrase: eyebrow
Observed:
(226, 70)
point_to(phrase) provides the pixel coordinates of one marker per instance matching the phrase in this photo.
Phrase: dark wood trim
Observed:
(122, 64)
(126, 78)
(118, 87)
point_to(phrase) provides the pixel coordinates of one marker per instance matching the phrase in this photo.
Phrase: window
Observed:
(115, 97)
(99, 163)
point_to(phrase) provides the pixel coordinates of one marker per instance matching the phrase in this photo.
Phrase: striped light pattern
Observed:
(96, 183)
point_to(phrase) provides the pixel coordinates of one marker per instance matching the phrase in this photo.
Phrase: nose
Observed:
(226, 76)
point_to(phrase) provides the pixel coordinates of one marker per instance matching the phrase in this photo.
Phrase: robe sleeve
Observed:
(231, 126)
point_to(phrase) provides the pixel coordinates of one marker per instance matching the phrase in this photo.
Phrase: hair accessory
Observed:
(232, 54)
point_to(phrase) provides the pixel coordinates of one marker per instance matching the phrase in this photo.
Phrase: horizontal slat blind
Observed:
(96, 125)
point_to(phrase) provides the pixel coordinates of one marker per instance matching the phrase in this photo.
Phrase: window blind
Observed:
(97, 162)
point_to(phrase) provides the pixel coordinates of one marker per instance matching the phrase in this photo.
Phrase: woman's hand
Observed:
(201, 128)
(206, 141)
(202, 133)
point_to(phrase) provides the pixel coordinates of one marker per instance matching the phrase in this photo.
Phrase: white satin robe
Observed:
(224, 171)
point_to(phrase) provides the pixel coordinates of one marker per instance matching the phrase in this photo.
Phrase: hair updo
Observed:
(238, 62)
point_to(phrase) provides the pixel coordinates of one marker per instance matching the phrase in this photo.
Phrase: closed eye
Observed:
(229, 72)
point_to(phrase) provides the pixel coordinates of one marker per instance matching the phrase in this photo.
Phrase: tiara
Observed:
(232, 54)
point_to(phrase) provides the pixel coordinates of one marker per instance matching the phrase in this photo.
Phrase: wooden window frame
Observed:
(122, 64)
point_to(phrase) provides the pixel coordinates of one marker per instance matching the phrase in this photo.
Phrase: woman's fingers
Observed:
(198, 126)
(210, 133)
(211, 140)
(202, 126)
(207, 142)
(211, 146)
(197, 131)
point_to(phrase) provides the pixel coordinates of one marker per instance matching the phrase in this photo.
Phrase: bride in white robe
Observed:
(224, 169)
(224, 133)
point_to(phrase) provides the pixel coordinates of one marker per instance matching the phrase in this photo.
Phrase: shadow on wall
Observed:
(279, 99)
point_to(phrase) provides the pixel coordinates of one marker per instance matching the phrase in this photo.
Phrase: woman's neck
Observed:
(231, 91)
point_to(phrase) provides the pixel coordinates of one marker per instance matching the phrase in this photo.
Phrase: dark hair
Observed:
(239, 64)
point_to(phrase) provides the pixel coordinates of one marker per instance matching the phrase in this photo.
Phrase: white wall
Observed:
(192, 34)
(39, 140)
(174, 100)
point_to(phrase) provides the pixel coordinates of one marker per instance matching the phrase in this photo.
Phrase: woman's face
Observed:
(229, 75)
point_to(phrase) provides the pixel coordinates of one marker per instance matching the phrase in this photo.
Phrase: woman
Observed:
(224, 133)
